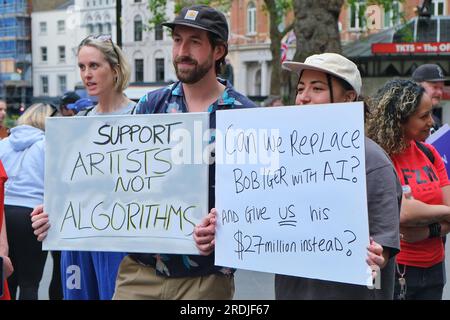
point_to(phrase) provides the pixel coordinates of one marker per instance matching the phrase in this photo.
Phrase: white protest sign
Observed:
(291, 191)
(135, 183)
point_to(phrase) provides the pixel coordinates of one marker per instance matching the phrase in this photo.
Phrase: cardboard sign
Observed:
(135, 183)
(291, 191)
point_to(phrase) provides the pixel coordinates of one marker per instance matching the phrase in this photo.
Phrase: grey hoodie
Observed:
(22, 154)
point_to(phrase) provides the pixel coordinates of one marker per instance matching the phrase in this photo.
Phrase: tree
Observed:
(276, 10)
(316, 24)
(316, 27)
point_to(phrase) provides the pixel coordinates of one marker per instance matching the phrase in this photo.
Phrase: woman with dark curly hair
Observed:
(400, 118)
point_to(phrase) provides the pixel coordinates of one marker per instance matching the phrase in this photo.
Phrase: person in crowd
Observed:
(4, 248)
(332, 78)
(105, 74)
(200, 35)
(401, 118)
(66, 99)
(431, 78)
(22, 155)
(4, 131)
(273, 101)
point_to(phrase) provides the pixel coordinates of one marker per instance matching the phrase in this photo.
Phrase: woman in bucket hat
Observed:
(331, 78)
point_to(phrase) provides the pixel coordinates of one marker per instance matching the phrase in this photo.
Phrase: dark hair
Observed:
(390, 108)
(215, 41)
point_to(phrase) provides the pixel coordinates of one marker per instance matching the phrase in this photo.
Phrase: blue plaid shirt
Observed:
(171, 100)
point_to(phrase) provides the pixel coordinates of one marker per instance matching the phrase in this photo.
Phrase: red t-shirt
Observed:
(426, 180)
(3, 178)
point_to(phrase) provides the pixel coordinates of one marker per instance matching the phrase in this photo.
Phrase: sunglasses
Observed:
(101, 38)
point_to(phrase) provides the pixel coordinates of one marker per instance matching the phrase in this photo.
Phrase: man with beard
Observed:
(431, 78)
(200, 35)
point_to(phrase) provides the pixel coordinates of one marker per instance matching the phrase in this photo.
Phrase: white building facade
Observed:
(149, 51)
(53, 52)
(98, 16)
(57, 33)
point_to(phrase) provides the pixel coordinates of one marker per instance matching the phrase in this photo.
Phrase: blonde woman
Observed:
(105, 74)
(22, 155)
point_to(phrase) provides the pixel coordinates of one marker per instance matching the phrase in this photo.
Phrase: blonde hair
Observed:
(115, 57)
(35, 115)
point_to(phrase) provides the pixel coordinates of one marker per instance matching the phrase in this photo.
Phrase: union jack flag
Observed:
(285, 42)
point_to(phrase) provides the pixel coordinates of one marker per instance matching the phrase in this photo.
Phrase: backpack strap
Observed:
(425, 150)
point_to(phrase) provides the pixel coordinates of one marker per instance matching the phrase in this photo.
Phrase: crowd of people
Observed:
(407, 229)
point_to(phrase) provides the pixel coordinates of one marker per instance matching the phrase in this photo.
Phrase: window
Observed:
(159, 34)
(137, 1)
(62, 84)
(357, 15)
(62, 54)
(43, 27)
(139, 70)
(98, 28)
(438, 7)
(251, 18)
(159, 69)
(392, 17)
(44, 85)
(90, 28)
(138, 28)
(108, 28)
(61, 26)
(44, 54)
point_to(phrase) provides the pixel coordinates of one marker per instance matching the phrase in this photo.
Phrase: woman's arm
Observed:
(414, 234)
(415, 213)
(4, 250)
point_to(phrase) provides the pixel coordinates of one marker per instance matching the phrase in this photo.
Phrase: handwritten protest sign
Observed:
(441, 141)
(126, 183)
(291, 191)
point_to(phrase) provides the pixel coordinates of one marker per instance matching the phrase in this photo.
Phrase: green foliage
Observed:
(386, 4)
(222, 5)
(157, 8)
(282, 7)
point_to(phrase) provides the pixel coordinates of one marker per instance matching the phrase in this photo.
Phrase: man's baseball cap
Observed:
(69, 97)
(331, 63)
(428, 72)
(202, 17)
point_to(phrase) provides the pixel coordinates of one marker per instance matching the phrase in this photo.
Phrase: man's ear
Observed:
(219, 52)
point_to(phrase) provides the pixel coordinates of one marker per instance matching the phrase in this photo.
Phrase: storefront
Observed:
(396, 53)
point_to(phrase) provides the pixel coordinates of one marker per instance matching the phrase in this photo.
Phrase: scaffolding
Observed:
(15, 52)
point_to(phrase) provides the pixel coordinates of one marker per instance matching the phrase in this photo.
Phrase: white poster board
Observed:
(135, 183)
(291, 191)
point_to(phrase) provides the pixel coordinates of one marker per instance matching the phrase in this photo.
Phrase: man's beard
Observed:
(196, 73)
